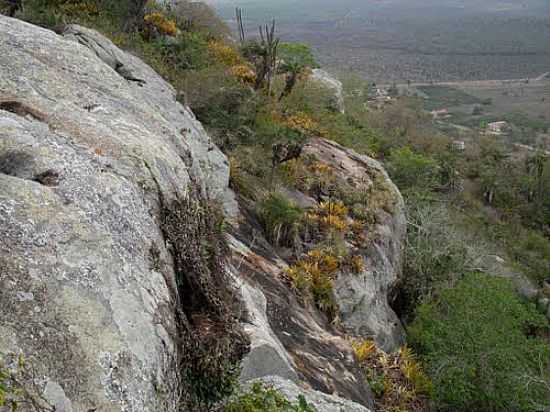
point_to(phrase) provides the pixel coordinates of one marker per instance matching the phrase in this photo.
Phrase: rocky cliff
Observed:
(92, 144)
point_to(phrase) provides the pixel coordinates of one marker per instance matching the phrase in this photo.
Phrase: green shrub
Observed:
(297, 53)
(532, 251)
(262, 398)
(409, 169)
(281, 219)
(480, 345)
(190, 51)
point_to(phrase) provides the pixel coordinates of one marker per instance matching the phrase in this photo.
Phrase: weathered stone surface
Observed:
(333, 84)
(85, 156)
(317, 353)
(267, 355)
(320, 401)
(363, 298)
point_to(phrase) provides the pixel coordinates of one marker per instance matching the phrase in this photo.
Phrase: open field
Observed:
(524, 104)
(531, 97)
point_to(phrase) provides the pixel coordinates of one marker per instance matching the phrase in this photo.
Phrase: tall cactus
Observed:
(268, 63)
(240, 25)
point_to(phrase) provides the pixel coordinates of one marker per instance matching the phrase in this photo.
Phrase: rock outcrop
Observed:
(363, 298)
(92, 144)
(294, 341)
(85, 155)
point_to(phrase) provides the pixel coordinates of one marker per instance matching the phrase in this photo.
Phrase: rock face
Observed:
(363, 298)
(294, 341)
(333, 84)
(92, 142)
(85, 154)
(289, 341)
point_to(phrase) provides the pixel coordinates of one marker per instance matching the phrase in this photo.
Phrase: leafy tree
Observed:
(409, 169)
(295, 57)
(299, 53)
(481, 346)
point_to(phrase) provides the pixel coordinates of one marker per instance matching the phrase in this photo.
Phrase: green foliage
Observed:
(297, 54)
(480, 344)
(262, 398)
(411, 170)
(532, 252)
(281, 219)
(376, 382)
(189, 52)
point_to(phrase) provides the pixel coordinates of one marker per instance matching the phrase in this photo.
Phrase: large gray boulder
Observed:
(91, 141)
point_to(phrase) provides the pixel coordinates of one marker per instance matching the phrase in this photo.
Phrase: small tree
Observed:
(411, 170)
(296, 58)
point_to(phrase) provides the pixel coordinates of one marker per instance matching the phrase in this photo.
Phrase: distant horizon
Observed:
(418, 40)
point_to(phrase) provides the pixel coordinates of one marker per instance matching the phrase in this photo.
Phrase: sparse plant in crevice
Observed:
(331, 215)
(211, 340)
(281, 219)
(313, 278)
(398, 380)
(18, 386)
(263, 398)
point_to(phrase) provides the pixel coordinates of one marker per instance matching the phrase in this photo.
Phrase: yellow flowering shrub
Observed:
(80, 8)
(161, 23)
(244, 73)
(224, 53)
(303, 123)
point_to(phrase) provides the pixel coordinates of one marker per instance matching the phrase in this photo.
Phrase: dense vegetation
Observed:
(462, 207)
(482, 348)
